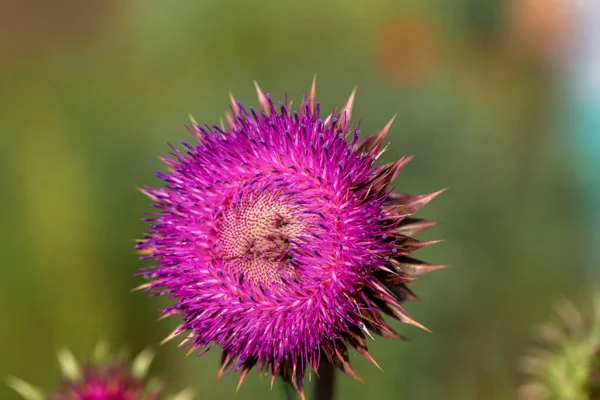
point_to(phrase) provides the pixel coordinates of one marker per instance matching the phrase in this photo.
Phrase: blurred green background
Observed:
(91, 92)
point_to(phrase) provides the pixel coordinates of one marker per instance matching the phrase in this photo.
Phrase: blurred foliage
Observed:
(566, 363)
(90, 96)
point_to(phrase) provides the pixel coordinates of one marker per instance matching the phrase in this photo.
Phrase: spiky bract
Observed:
(566, 365)
(107, 377)
(280, 239)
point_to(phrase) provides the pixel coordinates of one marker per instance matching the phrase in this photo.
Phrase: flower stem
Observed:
(325, 385)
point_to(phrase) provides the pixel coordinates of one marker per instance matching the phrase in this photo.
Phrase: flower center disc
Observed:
(255, 235)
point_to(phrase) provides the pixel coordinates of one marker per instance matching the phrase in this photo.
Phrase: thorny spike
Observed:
(234, 105)
(411, 226)
(301, 394)
(403, 292)
(410, 204)
(312, 99)
(191, 350)
(389, 173)
(262, 99)
(369, 357)
(142, 286)
(167, 315)
(243, 374)
(411, 245)
(147, 193)
(407, 319)
(293, 379)
(372, 144)
(315, 370)
(185, 340)
(396, 279)
(346, 112)
(387, 127)
(230, 120)
(221, 372)
(399, 165)
(176, 332)
(381, 151)
(383, 329)
(347, 367)
(197, 132)
(412, 267)
(348, 370)
(226, 360)
(365, 330)
(144, 252)
(274, 369)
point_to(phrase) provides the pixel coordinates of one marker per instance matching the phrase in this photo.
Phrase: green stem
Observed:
(325, 385)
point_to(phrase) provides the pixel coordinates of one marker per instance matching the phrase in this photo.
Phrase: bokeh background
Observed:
(91, 92)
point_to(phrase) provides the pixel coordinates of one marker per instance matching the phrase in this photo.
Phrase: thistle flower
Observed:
(566, 365)
(108, 377)
(281, 241)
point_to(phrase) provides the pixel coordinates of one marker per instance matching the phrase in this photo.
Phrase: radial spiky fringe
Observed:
(566, 364)
(280, 239)
(107, 377)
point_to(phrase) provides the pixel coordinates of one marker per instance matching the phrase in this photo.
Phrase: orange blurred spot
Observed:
(542, 26)
(406, 48)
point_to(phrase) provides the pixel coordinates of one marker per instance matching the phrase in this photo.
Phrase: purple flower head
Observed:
(280, 239)
(110, 382)
(107, 377)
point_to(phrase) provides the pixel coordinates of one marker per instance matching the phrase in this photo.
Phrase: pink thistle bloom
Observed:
(110, 383)
(108, 377)
(280, 239)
